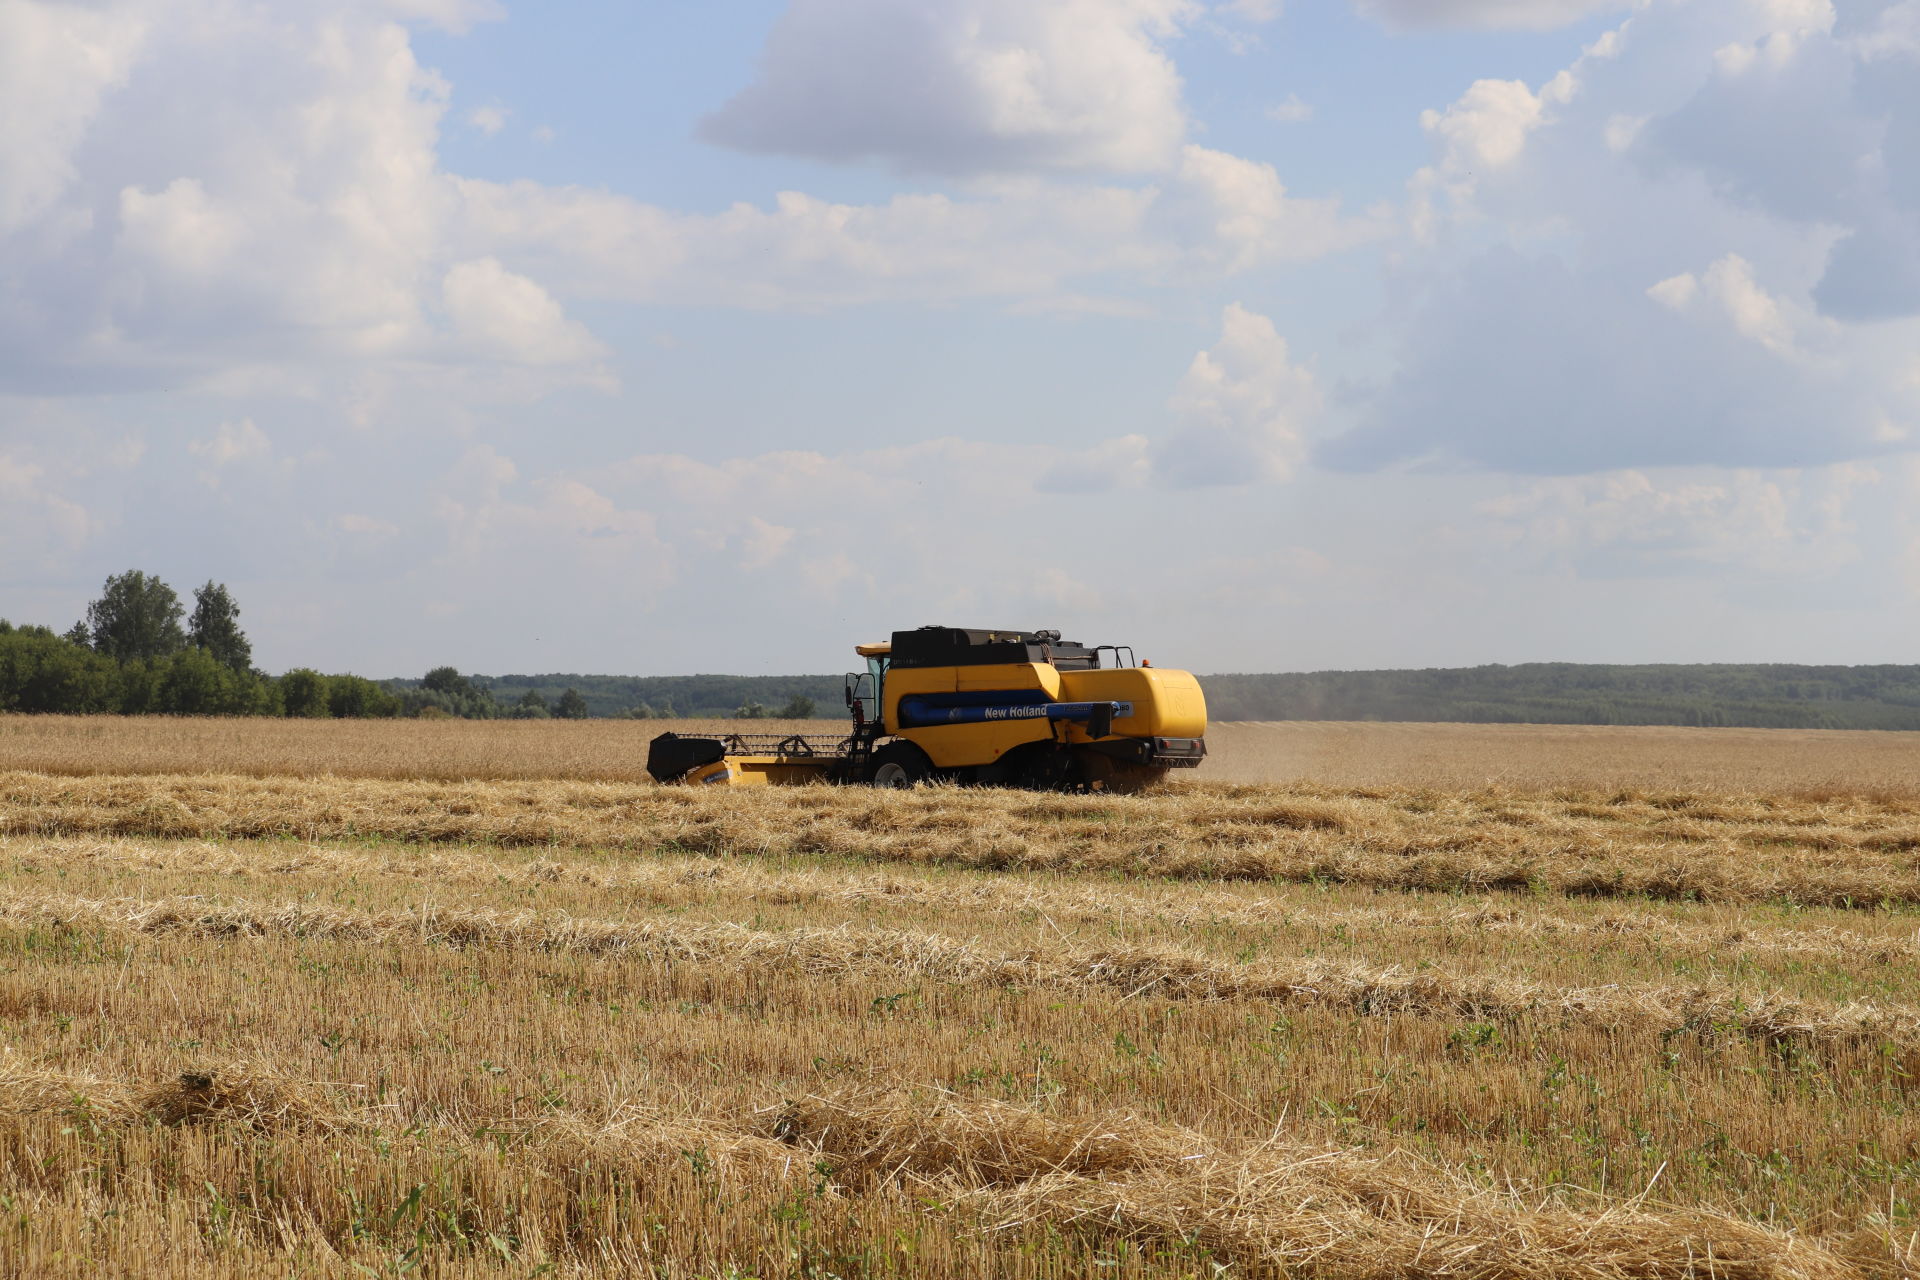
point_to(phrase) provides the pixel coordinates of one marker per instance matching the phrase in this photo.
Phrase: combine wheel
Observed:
(900, 764)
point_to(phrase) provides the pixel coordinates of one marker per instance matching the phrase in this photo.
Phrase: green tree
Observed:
(750, 711)
(799, 707)
(136, 617)
(137, 690)
(195, 683)
(303, 693)
(215, 627)
(261, 694)
(358, 698)
(40, 671)
(530, 707)
(445, 689)
(571, 706)
(448, 681)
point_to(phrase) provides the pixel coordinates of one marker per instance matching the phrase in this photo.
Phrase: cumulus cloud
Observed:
(57, 63)
(507, 316)
(489, 120)
(151, 207)
(1730, 286)
(1773, 523)
(1214, 215)
(35, 520)
(966, 86)
(509, 530)
(1292, 111)
(1112, 464)
(1488, 126)
(232, 442)
(1664, 255)
(1531, 15)
(1235, 420)
(211, 186)
(1240, 409)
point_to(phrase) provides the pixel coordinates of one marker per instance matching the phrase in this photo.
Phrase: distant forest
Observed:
(1767, 696)
(140, 651)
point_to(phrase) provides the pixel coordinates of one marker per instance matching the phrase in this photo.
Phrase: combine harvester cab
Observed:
(1009, 708)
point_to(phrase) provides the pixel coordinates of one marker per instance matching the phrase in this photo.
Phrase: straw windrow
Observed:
(1275, 1207)
(911, 956)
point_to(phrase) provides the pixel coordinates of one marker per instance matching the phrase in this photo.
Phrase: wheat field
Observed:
(291, 999)
(1452, 756)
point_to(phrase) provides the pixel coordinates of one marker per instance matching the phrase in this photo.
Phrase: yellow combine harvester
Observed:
(1010, 708)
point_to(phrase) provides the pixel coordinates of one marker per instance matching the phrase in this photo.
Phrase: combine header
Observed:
(1010, 708)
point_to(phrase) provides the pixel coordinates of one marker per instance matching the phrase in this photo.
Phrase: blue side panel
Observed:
(917, 713)
(982, 698)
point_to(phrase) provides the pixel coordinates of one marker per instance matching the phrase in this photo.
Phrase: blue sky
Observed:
(680, 337)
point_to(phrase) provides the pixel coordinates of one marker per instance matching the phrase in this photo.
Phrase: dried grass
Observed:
(679, 882)
(1858, 854)
(1453, 757)
(1278, 1206)
(904, 957)
(324, 1026)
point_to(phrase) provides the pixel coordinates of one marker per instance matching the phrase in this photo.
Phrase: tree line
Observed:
(707, 697)
(1748, 695)
(138, 651)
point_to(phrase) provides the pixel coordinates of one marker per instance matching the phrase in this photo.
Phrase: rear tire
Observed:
(900, 765)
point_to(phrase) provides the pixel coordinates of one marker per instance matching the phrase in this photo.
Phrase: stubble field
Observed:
(460, 1000)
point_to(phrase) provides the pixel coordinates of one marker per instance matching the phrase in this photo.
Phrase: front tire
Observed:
(900, 765)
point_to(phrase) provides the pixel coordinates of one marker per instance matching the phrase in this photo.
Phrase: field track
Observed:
(259, 1023)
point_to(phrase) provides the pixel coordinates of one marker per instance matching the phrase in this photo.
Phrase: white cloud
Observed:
(365, 526)
(456, 16)
(966, 86)
(35, 521)
(1483, 132)
(482, 472)
(1754, 313)
(1216, 214)
(1119, 463)
(57, 63)
(1656, 259)
(489, 120)
(261, 196)
(1772, 523)
(1231, 215)
(1896, 34)
(232, 442)
(550, 537)
(1737, 297)
(1676, 292)
(1488, 126)
(1292, 111)
(1241, 409)
(289, 229)
(1530, 15)
(507, 316)
(763, 543)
